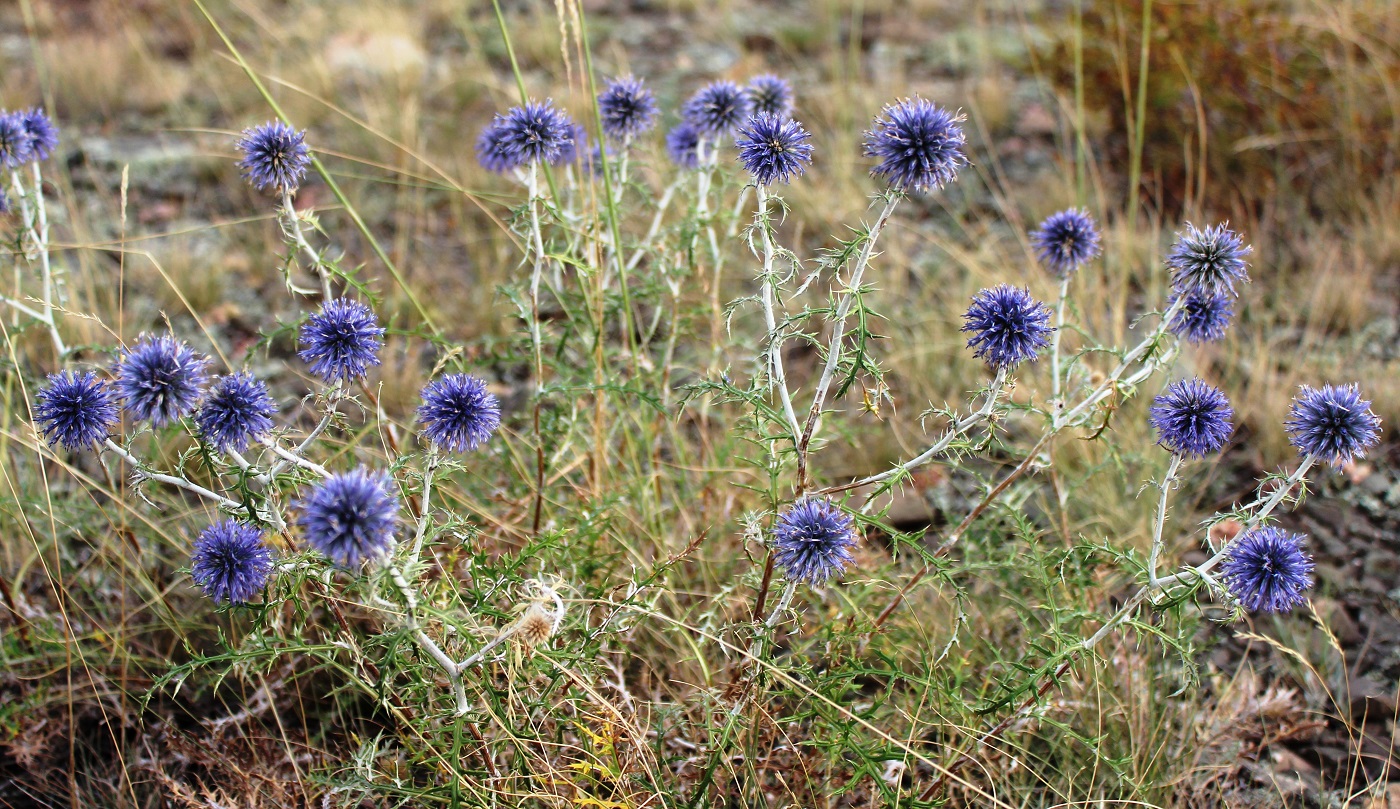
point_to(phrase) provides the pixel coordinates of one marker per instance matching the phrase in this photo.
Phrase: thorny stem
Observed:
(838, 331)
(292, 223)
(1160, 520)
(143, 473)
(536, 338)
(335, 394)
(776, 376)
(36, 225)
(783, 601)
(423, 510)
(452, 670)
(294, 457)
(1055, 339)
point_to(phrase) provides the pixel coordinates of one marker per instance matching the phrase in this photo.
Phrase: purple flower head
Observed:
(683, 145)
(75, 409)
(458, 412)
(770, 94)
(717, 108)
(274, 156)
(1333, 423)
(350, 517)
(236, 410)
(773, 147)
(230, 562)
(4, 202)
(1210, 260)
(341, 341)
(160, 379)
(1066, 241)
(1192, 418)
(1204, 317)
(534, 133)
(1008, 326)
(627, 108)
(1267, 570)
(812, 540)
(918, 143)
(43, 135)
(491, 150)
(575, 150)
(16, 147)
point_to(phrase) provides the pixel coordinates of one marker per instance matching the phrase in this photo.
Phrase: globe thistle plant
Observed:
(458, 412)
(1209, 261)
(75, 409)
(534, 133)
(769, 94)
(160, 379)
(1008, 326)
(773, 147)
(627, 108)
(1268, 571)
(230, 563)
(1332, 423)
(1066, 241)
(43, 135)
(683, 145)
(350, 517)
(812, 540)
(1192, 418)
(918, 143)
(491, 150)
(236, 410)
(341, 341)
(16, 147)
(717, 108)
(1204, 317)
(275, 156)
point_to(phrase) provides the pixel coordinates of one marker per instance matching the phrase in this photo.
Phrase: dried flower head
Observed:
(1192, 418)
(160, 379)
(458, 412)
(275, 156)
(1204, 317)
(1332, 423)
(770, 94)
(230, 562)
(774, 147)
(43, 135)
(812, 540)
(1210, 261)
(718, 108)
(1008, 326)
(918, 143)
(350, 517)
(237, 409)
(16, 148)
(75, 409)
(534, 133)
(1268, 571)
(1066, 241)
(341, 341)
(627, 108)
(536, 626)
(683, 145)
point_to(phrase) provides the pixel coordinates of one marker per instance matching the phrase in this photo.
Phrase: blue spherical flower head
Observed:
(1066, 241)
(160, 379)
(230, 562)
(770, 94)
(1192, 418)
(627, 108)
(1209, 261)
(683, 145)
(1203, 317)
(274, 156)
(717, 108)
(350, 517)
(1008, 326)
(575, 150)
(43, 135)
(16, 148)
(812, 540)
(1267, 570)
(236, 410)
(773, 147)
(75, 409)
(535, 133)
(341, 341)
(1332, 423)
(458, 412)
(491, 149)
(918, 143)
